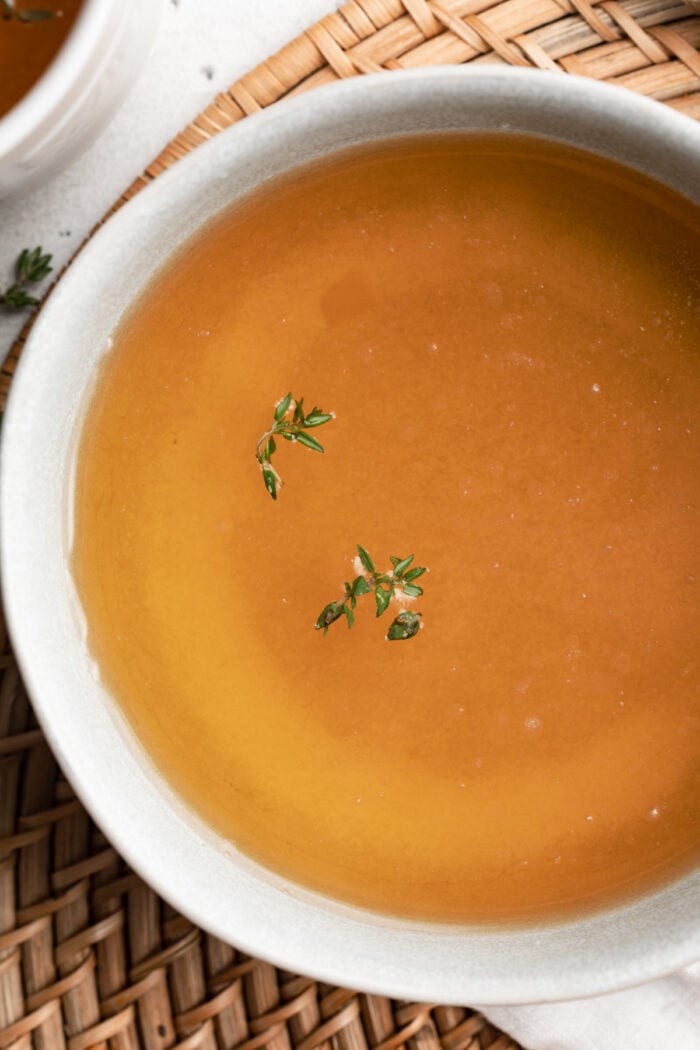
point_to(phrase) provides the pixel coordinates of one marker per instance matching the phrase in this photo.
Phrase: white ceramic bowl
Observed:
(200, 873)
(72, 102)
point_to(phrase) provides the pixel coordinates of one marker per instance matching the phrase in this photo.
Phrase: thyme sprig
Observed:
(27, 15)
(291, 424)
(30, 268)
(385, 585)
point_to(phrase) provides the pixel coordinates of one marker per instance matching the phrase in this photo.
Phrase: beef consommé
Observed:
(507, 333)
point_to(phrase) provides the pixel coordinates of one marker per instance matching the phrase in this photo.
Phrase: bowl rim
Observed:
(349, 946)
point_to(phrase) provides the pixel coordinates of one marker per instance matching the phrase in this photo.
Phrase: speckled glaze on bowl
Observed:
(203, 875)
(73, 100)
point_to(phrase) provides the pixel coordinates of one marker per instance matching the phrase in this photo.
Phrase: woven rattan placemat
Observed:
(89, 955)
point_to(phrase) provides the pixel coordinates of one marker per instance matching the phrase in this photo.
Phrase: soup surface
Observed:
(507, 333)
(28, 48)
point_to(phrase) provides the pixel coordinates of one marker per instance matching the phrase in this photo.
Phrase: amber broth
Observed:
(27, 49)
(508, 335)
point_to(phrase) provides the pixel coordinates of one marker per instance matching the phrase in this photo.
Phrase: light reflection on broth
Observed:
(508, 335)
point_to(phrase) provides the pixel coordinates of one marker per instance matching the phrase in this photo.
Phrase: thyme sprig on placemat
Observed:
(31, 267)
(400, 580)
(291, 424)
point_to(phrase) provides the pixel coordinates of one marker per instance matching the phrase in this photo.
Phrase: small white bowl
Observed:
(203, 875)
(73, 100)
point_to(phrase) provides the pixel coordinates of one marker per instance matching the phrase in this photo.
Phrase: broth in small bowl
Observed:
(30, 38)
(66, 65)
(459, 273)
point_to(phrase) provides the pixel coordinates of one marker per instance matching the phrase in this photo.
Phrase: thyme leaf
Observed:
(404, 626)
(26, 15)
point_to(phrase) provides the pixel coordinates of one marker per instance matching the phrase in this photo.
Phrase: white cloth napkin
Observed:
(661, 1015)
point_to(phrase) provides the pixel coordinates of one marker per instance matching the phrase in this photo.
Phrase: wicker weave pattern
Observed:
(89, 955)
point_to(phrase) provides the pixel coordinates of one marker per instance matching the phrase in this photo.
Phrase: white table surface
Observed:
(202, 47)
